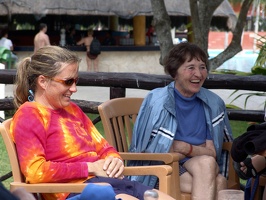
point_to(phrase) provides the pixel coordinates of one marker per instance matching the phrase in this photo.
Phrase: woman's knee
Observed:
(207, 162)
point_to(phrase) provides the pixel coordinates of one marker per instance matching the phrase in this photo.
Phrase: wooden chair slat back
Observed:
(118, 117)
(11, 150)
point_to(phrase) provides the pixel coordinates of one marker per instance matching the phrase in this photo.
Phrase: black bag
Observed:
(251, 142)
(95, 47)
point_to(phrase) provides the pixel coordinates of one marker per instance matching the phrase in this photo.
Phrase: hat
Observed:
(96, 192)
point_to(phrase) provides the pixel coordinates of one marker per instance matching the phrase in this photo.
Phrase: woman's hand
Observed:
(96, 168)
(114, 167)
(110, 167)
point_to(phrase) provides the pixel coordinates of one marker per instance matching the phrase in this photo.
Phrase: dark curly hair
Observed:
(180, 53)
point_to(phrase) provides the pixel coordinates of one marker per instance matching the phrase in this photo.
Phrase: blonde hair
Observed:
(46, 61)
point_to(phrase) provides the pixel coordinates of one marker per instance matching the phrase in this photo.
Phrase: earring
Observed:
(31, 96)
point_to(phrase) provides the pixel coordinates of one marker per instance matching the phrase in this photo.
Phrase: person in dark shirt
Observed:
(70, 37)
(109, 40)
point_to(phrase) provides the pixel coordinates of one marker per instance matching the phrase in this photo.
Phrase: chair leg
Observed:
(259, 191)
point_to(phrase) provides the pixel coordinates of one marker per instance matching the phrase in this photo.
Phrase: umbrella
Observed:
(121, 8)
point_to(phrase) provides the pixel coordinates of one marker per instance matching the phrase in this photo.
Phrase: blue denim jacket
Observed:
(156, 126)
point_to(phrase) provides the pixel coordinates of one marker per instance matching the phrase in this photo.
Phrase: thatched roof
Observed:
(122, 8)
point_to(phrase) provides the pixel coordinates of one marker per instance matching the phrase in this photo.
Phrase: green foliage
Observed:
(98, 125)
(189, 27)
(248, 94)
(4, 163)
(260, 64)
(231, 106)
(259, 68)
(228, 71)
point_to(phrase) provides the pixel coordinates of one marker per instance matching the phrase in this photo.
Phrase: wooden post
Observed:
(139, 30)
(116, 92)
(113, 23)
(190, 37)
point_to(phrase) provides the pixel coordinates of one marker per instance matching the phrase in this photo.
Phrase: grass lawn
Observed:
(238, 127)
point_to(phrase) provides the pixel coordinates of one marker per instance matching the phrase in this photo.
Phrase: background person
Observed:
(150, 33)
(70, 37)
(251, 166)
(7, 43)
(187, 119)
(109, 40)
(55, 140)
(92, 60)
(41, 39)
(246, 153)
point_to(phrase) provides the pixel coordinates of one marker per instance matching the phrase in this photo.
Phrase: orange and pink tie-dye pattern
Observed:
(55, 145)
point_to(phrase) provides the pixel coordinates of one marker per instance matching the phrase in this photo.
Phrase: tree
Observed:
(162, 25)
(201, 15)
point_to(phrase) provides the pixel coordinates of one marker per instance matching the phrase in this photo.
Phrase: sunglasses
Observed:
(68, 82)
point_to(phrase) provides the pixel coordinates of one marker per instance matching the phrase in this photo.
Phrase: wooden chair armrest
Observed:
(156, 170)
(163, 172)
(51, 187)
(167, 158)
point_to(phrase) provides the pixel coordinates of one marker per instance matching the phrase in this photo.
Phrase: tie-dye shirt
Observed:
(55, 145)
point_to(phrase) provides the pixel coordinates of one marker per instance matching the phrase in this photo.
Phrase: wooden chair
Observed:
(18, 178)
(233, 181)
(261, 185)
(262, 182)
(162, 172)
(118, 117)
(5, 57)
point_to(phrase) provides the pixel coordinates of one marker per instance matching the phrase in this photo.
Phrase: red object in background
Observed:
(150, 33)
(217, 40)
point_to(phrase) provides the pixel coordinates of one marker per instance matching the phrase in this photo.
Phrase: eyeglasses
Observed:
(68, 82)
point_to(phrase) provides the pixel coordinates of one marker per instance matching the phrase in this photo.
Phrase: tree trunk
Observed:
(201, 16)
(162, 25)
(235, 45)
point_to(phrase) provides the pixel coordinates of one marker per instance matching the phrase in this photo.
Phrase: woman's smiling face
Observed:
(56, 93)
(190, 77)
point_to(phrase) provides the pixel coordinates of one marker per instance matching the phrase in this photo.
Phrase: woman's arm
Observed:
(194, 150)
(81, 41)
(40, 160)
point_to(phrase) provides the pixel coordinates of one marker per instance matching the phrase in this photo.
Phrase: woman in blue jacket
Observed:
(186, 118)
